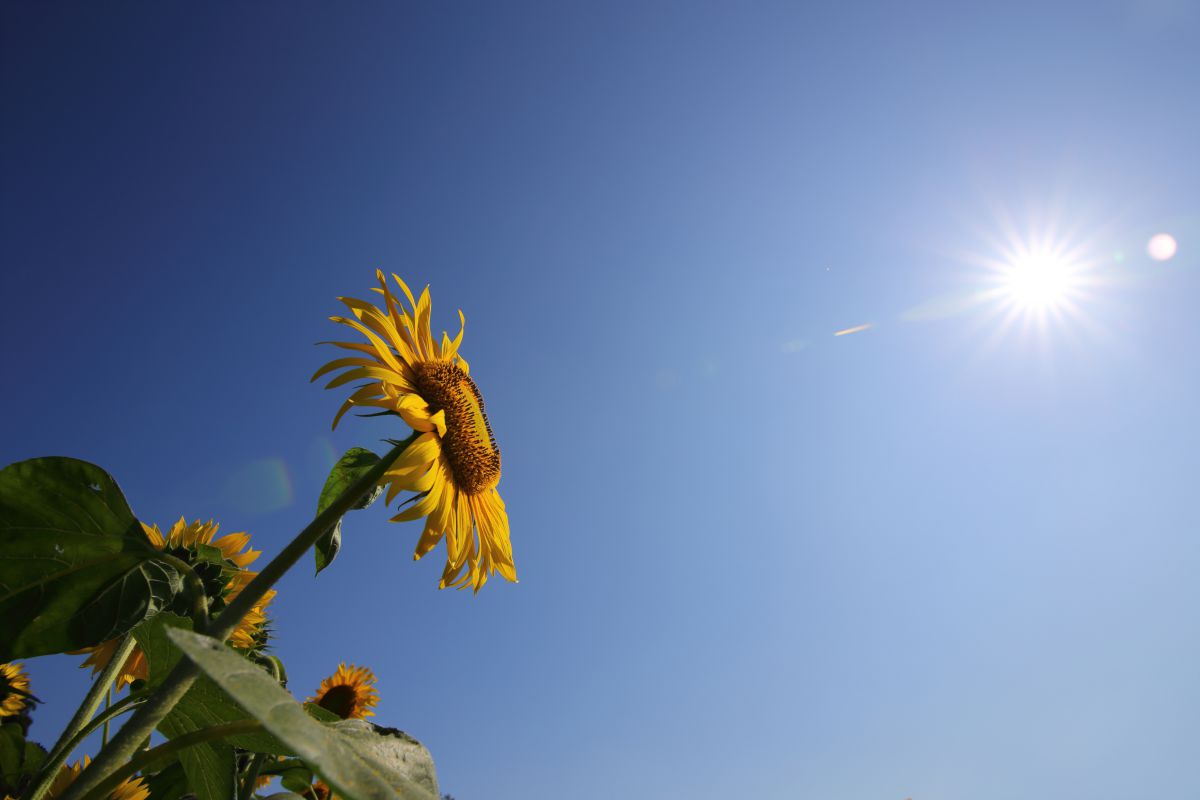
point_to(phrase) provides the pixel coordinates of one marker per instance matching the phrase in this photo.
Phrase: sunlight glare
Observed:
(1038, 280)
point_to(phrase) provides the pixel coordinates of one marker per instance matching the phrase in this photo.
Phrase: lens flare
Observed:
(1162, 247)
(1037, 280)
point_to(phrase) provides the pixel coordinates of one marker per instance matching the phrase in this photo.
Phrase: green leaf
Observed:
(296, 779)
(75, 567)
(338, 758)
(349, 468)
(169, 783)
(210, 767)
(319, 713)
(19, 759)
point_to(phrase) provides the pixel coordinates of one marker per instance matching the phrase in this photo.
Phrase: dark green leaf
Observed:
(320, 714)
(205, 705)
(12, 748)
(210, 767)
(19, 759)
(169, 783)
(296, 779)
(349, 468)
(338, 758)
(75, 567)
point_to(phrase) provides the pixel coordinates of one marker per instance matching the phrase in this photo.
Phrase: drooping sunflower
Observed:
(180, 541)
(454, 464)
(131, 788)
(14, 689)
(350, 692)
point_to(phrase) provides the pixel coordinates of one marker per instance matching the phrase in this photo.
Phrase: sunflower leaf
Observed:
(75, 567)
(210, 767)
(320, 714)
(296, 779)
(19, 759)
(349, 468)
(169, 783)
(348, 757)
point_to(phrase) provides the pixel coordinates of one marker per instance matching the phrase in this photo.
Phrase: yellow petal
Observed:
(384, 352)
(438, 420)
(424, 311)
(423, 450)
(404, 288)
(338, 363)
(422, 507)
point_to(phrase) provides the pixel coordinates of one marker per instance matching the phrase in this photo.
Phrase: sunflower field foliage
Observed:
(174, 621)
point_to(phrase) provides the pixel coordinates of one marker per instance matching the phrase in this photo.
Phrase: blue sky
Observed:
(951, 555)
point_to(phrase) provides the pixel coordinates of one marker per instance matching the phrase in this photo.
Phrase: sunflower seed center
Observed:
(341, 700)
(468, 444)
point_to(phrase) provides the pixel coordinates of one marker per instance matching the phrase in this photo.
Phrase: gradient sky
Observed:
(952, 555)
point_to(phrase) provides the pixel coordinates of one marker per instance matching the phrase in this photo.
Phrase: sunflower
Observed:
(14, 690)
(180, 541)
(350, 693)
(320, 791)
(454, 464)
(131, 788)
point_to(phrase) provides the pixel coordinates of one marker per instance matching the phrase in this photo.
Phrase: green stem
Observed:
(125, 744)
(87, 710)
(256, 764)
(107, 708)
(106, 786)
(281, 766)
(118, 708)
(195, 589)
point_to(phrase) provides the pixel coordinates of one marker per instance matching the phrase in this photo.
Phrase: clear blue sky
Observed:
(953, 555)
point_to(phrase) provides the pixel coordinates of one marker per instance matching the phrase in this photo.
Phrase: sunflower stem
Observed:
(251, 778)
(87, 710)
(125, 744)
(118, 708)
(107, 708)
(139, 760)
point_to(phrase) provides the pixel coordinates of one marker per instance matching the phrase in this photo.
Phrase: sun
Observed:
(1039, 281)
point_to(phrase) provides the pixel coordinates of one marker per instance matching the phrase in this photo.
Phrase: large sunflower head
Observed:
(454, 464)
(14, 690)
(350, 693)
(131, 788)
(222, 583)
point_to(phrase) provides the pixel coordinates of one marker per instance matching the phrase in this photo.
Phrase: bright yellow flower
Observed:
(350, 693)
(234, 548)
(131, 788)
(14, 685)
(232, 545)
(454, 465)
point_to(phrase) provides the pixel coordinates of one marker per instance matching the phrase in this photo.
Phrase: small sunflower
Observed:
(14, 689)
(454, 464)
(131, 788)
(320, 791)
(350, 693)
(179, 541)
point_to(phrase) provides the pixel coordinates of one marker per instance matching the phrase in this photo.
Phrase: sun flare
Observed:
(1037, 281)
